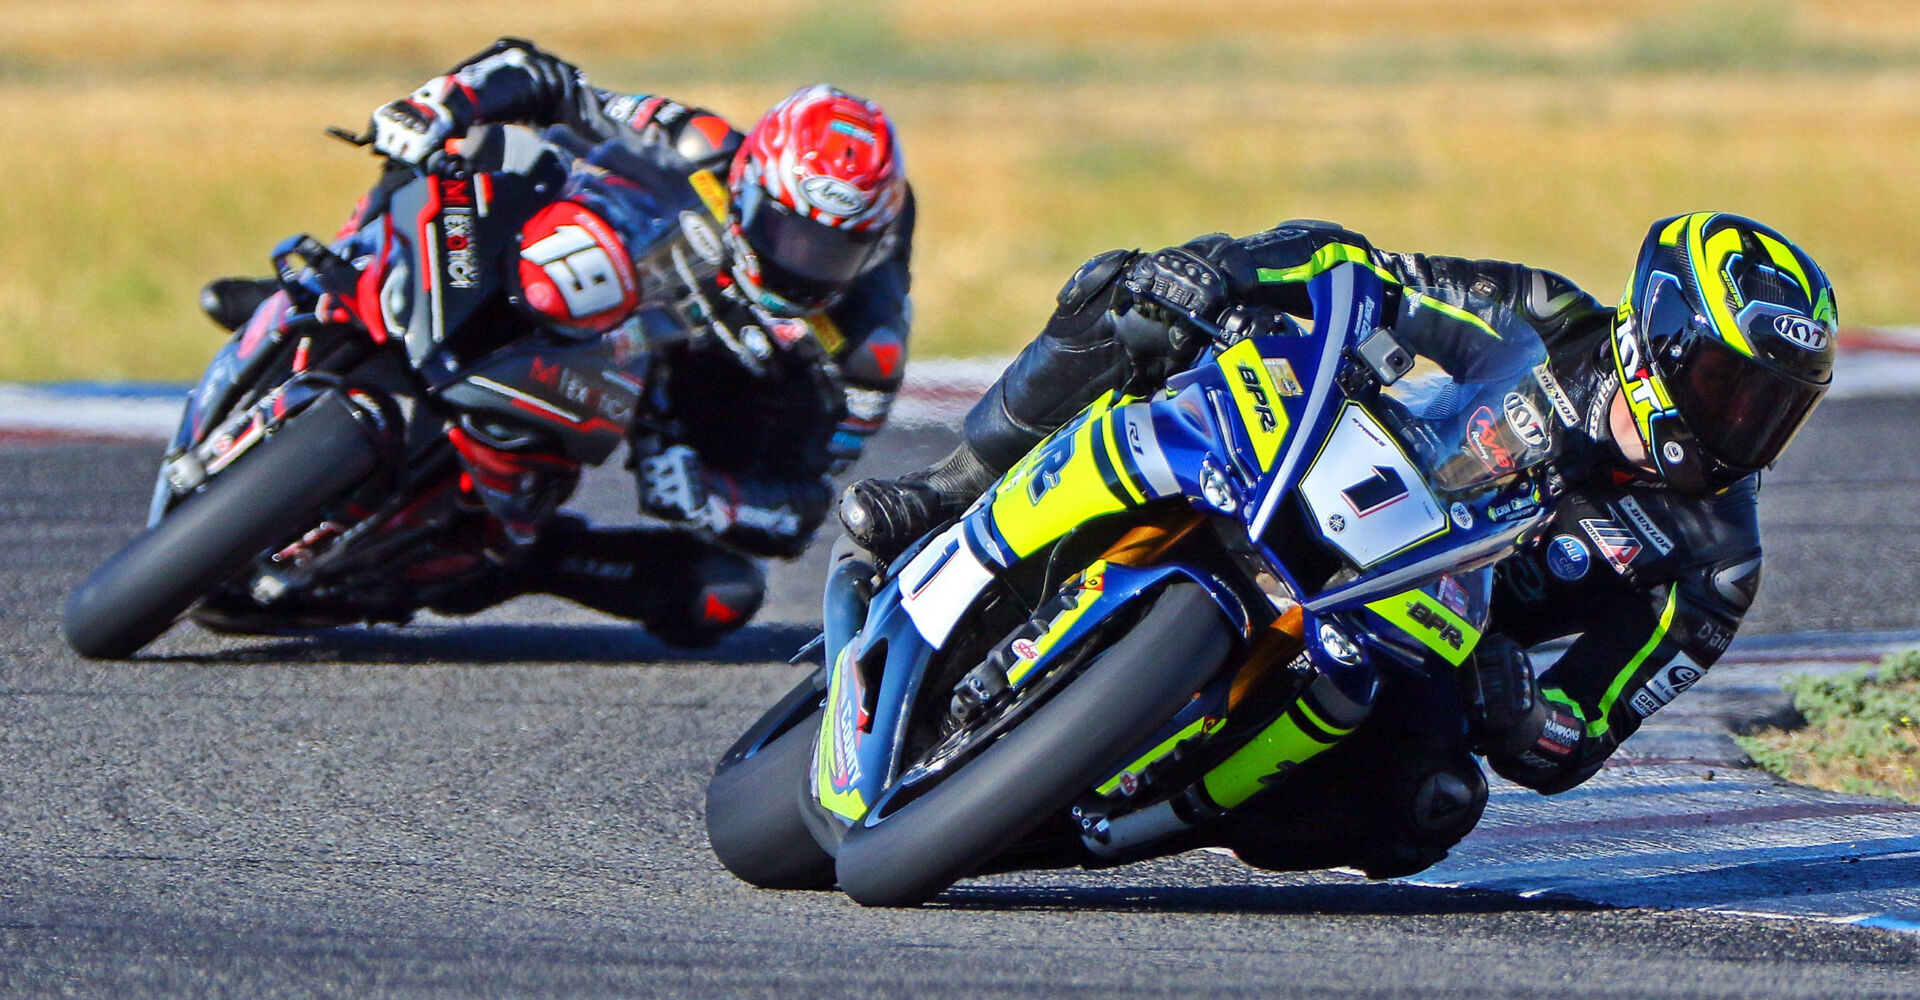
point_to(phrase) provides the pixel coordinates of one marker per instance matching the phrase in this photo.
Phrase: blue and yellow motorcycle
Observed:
(1153, 624)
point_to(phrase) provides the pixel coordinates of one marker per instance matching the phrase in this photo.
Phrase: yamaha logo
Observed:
(1801, 332)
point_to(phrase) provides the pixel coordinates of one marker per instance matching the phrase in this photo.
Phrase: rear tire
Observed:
(266, 496)
(754, 818)
(1041, 765)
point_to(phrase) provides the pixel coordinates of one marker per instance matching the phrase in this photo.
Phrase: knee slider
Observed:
(878, 361)
(713, 593)
(1447, 801)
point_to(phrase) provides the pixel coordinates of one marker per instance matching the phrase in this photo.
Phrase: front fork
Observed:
(844, 599)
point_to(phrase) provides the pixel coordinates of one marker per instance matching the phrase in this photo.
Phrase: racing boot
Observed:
(884, 516)
(686, 590)
(230, 302)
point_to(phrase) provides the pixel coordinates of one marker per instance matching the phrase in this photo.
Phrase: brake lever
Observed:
(358, 139)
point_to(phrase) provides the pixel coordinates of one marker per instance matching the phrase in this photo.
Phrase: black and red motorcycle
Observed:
(391, 425)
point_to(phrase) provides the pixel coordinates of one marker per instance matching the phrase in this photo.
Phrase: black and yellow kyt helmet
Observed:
(1724, 344)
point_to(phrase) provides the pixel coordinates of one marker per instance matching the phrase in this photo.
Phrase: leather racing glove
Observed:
(1527, 737)
(417, 126)
(1174, 284)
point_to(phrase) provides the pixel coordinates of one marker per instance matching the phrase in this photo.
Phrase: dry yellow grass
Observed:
(1893, 771)
(1861, 732)
(151, 146)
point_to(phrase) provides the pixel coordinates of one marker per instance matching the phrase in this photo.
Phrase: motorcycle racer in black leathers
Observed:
(1670, 404)
(798, 337)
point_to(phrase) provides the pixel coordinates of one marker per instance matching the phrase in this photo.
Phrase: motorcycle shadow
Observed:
(1347, 898)
(504, 644)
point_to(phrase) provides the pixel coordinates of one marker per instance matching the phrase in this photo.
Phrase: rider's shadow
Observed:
(507, 643)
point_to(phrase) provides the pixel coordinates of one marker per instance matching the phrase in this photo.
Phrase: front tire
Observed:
(1041, 765)
(266, 496)
(754, 818)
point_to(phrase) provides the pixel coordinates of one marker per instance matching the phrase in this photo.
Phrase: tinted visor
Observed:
(1742, 412)
(801, 260)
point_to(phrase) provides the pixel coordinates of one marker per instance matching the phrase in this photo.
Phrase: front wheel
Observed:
(1037, 769)
(267, 495)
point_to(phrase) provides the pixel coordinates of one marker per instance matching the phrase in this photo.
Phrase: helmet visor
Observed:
(1744, 413)
(802, 260)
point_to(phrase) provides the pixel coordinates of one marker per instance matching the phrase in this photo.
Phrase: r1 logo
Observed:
(1046, 469)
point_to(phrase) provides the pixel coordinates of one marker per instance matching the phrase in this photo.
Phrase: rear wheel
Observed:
(266, 496)
(905, 857)
(754, 818)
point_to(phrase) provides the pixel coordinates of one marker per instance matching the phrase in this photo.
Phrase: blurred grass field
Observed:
(150, 146)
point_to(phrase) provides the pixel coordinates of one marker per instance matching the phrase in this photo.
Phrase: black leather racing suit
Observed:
(1639, 574)
(769, 417)
(771, 427)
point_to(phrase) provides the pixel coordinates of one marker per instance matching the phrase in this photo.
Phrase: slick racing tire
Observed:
(754, 818)
(1040, 766)
(266, 496)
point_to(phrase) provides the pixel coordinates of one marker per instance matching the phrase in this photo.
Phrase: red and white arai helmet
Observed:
(817, 187)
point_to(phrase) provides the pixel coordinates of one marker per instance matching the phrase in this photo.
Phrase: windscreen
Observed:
(1474, 409)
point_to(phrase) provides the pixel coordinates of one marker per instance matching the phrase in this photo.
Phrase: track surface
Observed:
(510, 805)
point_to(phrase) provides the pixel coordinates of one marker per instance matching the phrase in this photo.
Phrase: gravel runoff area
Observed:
(510, 805)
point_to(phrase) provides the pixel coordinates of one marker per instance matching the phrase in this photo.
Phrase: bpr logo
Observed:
(1426, 616)
(1260, 403)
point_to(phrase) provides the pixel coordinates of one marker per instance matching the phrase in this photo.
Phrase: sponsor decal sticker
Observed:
(1673, 453)
(1523, 577)
(846, 758)
(1643, 525)
(1567, 558)
(1336, 523)
(1665, 686)
(458, 237)
(1483, 430)
(1261, 405)
(756, 342)
(852, 131)
(712, 193)
(1558, 737)
(1713, 636)
(1432, 620)
(701, 237)
(1025, 648)
(1517, 509)
(833, 195)
(1452, 595)
(1801, 332)
(1283, 377)
(1461, 515)
(1524, 419)
(1616, 544)
(1556, 394)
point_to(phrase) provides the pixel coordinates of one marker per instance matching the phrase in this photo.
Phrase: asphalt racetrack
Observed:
(510, 805)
